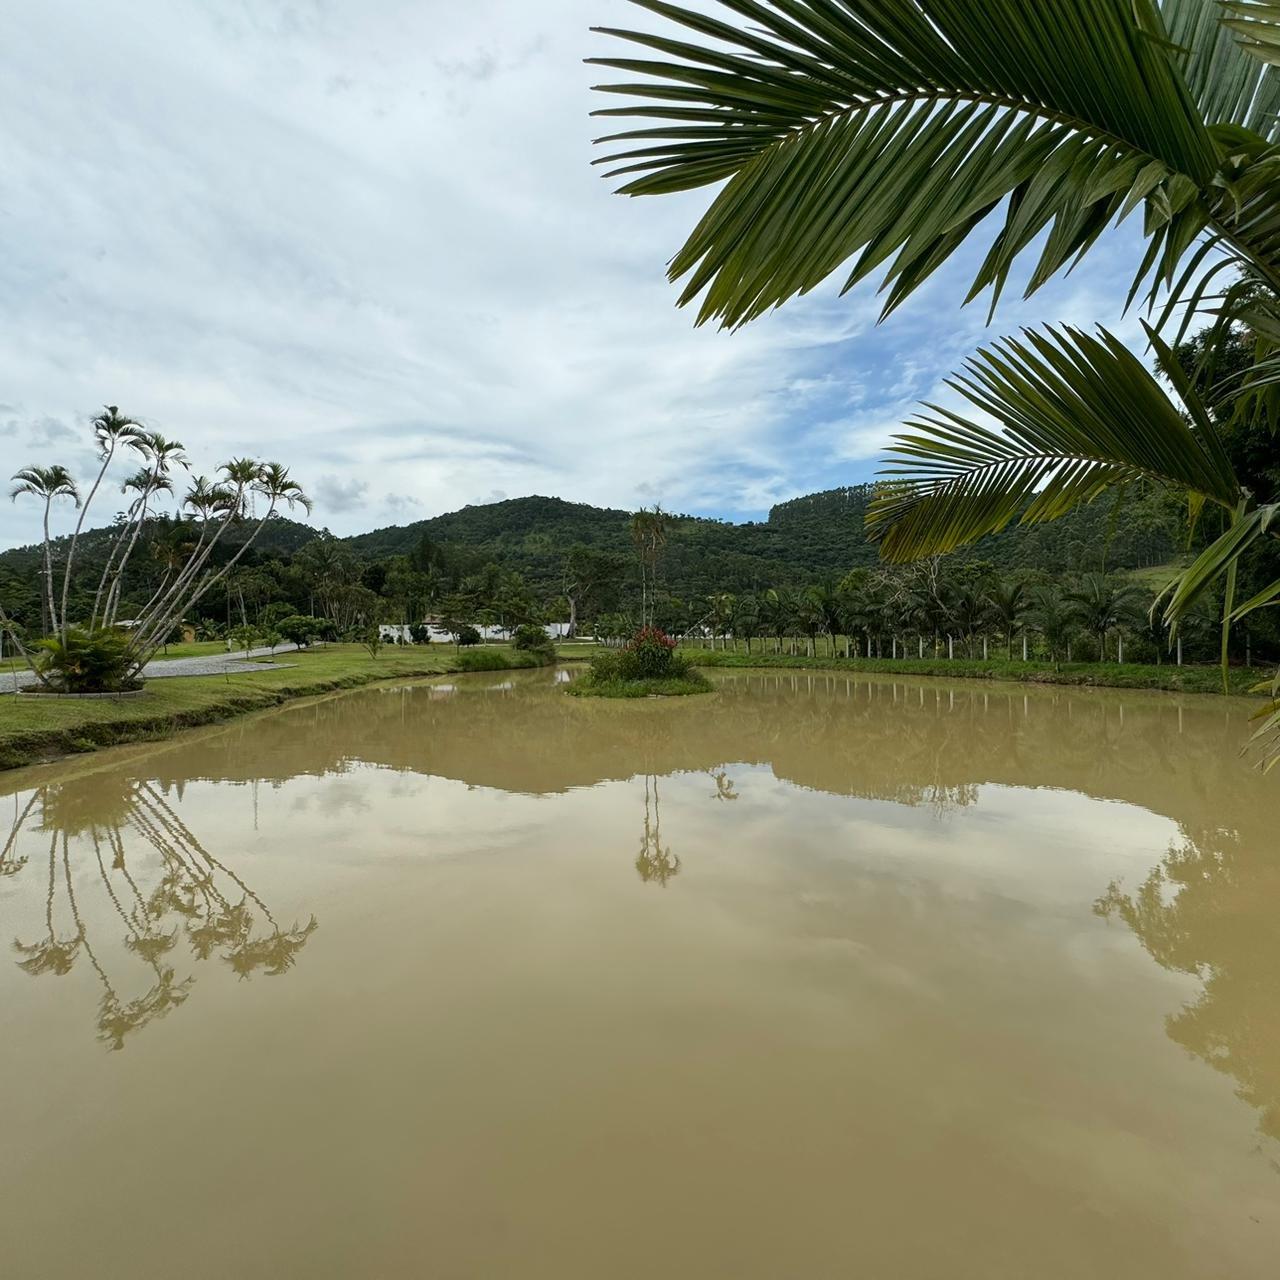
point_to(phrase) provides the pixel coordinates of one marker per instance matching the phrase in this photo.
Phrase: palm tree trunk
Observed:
(48, 569)
(111, 560)
(75, 537)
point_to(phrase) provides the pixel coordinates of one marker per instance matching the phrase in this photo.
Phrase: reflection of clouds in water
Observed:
(851, 817)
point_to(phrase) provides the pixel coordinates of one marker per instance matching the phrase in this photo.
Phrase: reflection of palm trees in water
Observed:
(654, 862)
(724, 785)
(1207, 910)
(196, 895)
(9, 864)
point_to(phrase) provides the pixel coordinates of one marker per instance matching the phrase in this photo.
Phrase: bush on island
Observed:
(648, 664)
(532, 639)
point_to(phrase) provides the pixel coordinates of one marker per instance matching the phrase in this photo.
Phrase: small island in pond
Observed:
(647, 666)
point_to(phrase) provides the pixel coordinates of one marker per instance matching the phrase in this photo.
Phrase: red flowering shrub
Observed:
(650, 655)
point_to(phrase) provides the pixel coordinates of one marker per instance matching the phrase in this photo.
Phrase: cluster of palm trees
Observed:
(921, 615)
(191, 550)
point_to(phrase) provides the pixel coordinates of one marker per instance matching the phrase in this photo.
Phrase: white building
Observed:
(401, 633)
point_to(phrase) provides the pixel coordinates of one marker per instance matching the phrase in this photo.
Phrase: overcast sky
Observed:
(363, 237)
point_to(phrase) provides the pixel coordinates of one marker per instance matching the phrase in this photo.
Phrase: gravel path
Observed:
(213, 664)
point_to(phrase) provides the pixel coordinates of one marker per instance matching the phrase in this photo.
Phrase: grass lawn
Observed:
(1159, 576)
(34, 728)
(1113, 675)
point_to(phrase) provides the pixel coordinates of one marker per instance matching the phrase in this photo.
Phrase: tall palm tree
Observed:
(111, 430)
(880, 135)
(243, 479)
(649, 536)
(161, 456)
(46, 484)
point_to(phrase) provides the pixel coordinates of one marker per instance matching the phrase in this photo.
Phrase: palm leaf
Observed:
(1216, 560)
(1267, 736)
(1078, 415)
(885, 131)
(1257, 24)
(1229, 85)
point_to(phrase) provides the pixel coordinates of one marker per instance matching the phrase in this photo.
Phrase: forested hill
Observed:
(808, 539)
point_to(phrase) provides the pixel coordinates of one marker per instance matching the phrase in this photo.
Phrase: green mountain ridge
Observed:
(814, 537)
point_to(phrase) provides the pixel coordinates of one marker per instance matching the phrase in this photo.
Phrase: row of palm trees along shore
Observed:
(1093, 618)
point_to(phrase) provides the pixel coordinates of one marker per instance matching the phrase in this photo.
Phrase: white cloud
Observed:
(337, 496)
(366, 239)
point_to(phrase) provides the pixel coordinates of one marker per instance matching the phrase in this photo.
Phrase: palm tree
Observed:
(648, 536)
(154, 478)
(886, 134)
(723, 607)
(1102, 605)
(970, 612)
(1008, 605)
(826, 600)
(1054, 618)
(111, 429)
(46, 483)
(747, 620)
(244, 479)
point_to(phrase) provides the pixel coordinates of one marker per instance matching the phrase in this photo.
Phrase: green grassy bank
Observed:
(1109, 675)
(33, 729)
(674, 687)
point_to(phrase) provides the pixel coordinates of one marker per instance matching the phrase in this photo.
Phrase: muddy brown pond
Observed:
(815, 977)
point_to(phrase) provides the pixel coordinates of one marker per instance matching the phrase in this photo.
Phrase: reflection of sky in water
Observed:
(800, 947)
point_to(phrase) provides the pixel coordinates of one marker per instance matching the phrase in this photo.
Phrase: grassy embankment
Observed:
(1109, 675)
(675, 687)
(34, 728)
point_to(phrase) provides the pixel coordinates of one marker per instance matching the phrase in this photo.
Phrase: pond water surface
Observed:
(816, 977)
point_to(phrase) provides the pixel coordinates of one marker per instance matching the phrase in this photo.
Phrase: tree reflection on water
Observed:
(654, 862)
(1208, 910)
(195, 898)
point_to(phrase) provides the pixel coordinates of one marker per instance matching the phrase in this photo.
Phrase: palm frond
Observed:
(1078, 414)
(1229, 85)
(1257, 25)
(1216, 560)
(885, 131)
(1267, 736)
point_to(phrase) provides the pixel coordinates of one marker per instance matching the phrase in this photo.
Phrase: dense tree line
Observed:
(574, 560)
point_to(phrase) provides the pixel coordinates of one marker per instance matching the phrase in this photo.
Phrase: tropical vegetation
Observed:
(84, 644)
(648, 665)
(878, 137)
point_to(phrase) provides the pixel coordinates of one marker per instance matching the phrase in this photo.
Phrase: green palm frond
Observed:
(885, 131)
(1267, 736)
(1078, 414)
(1216, 560)
(1257, 25)
(1229, 85)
